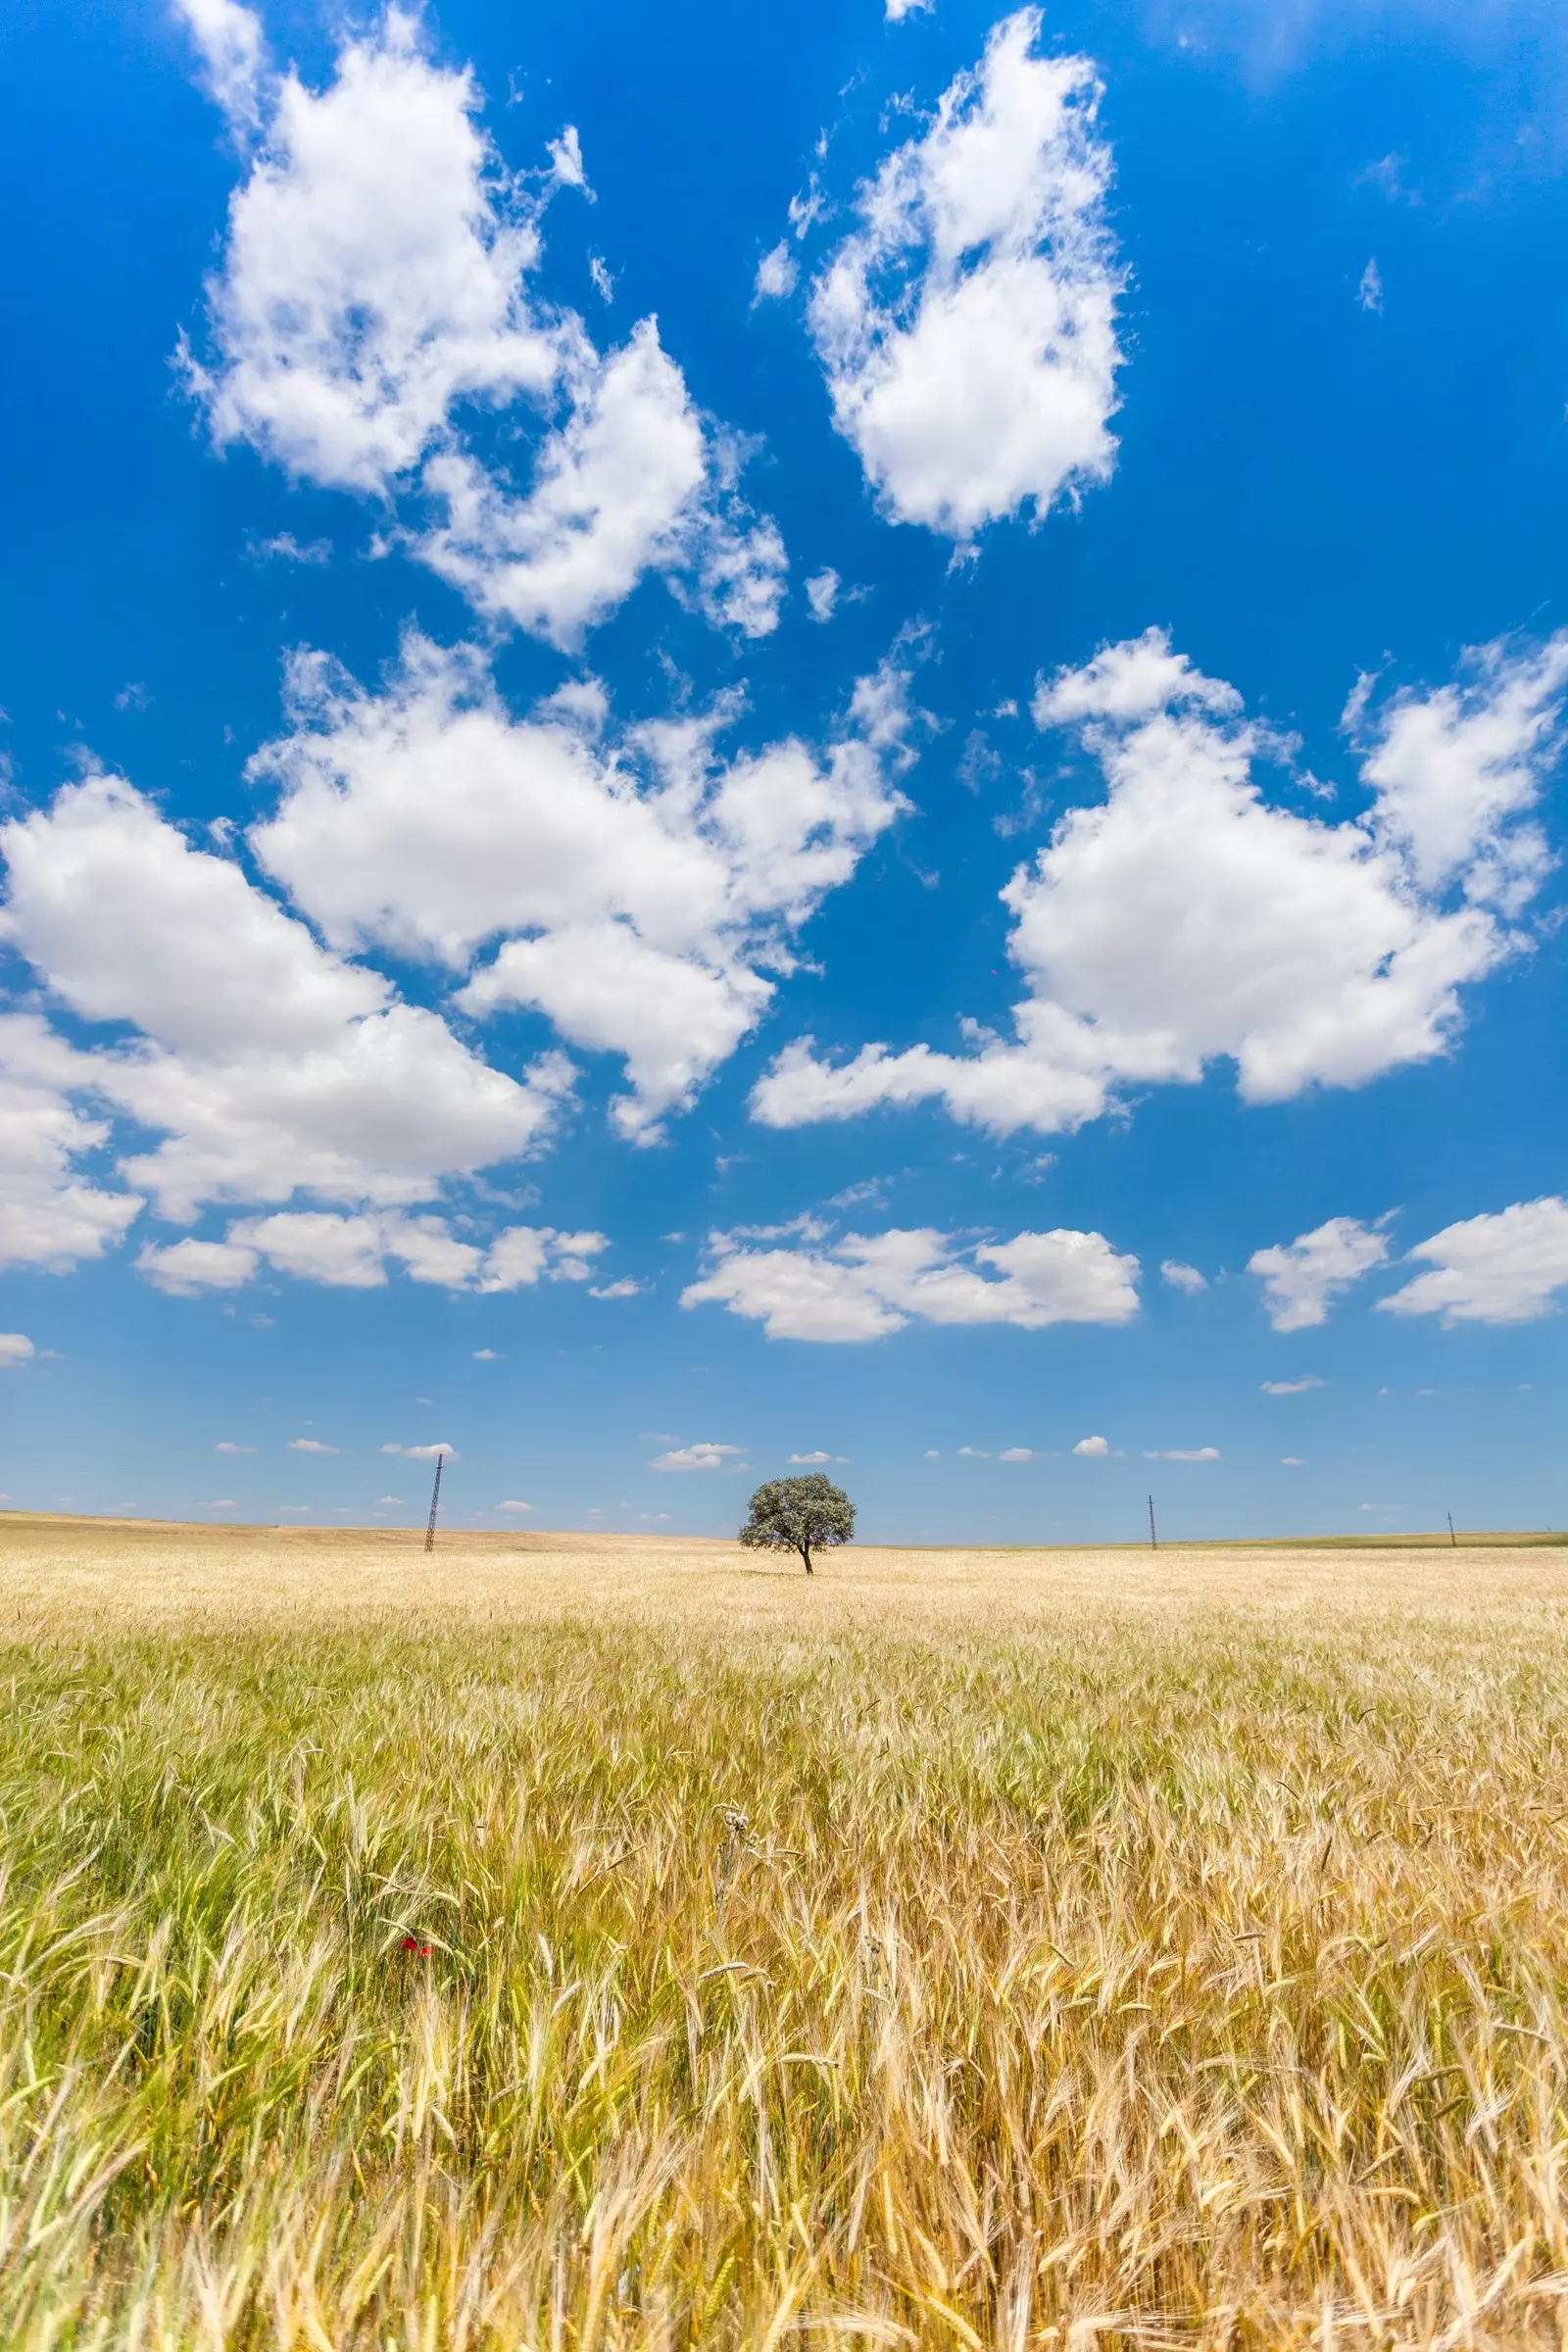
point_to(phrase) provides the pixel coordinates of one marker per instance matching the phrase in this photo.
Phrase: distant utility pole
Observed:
(1452, 1537)
(435, 1504)
(1154, 1540)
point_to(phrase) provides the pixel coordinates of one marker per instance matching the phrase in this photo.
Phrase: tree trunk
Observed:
(806, 1555)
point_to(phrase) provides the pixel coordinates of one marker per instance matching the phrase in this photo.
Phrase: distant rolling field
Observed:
(572, 1941)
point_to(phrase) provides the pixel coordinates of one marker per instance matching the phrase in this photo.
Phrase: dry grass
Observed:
(966, 1948)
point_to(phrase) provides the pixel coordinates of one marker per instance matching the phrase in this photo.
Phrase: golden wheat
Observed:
(582, 1944)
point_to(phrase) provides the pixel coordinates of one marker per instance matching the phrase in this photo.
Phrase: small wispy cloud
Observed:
(1369, 293)
(699, 1456)
(310, 1445)
(1182, 1277)
(1293, 1388)
(1186, 1454)
(224, 1445)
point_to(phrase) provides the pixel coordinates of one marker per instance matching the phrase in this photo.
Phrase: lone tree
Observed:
(796, 1514)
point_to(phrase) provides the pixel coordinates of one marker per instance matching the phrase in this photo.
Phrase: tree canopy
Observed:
(799, 1514)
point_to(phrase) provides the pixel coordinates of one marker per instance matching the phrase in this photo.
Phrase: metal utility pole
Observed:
(435, 1504)
(1452, 1537)
(1154, 1540)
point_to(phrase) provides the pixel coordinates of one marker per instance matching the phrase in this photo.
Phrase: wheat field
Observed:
(569, 1942)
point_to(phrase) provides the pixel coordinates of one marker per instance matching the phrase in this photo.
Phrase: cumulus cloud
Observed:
(822, 593)
(234, 55)
(16, 1349)
(310, 1445)
(1186, 1454)
(224, 1446)
(353, 1251)
(1303, 1278)
(1015, 1453)
(1186, 919)
(373, 302)
(1094, 1448)
(268, 1063)
(634, 887)
(867, 1284)
(374, 271)
(1454, 770)
(818, 1458)
(626, 482)
(1508, 1267)
(967, 326)
(1182, 1277)
(424, 1454)
(777, 273)
(513, 1506)
(696, 1457)
(52, 1216)
(626, 1288)
(1292, 1388)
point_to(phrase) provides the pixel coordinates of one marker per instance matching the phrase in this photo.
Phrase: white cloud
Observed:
(777, 273)
(867, 1284)
(188, 1266)
(822, 593)
(1182, 1277)
(373, 274)
(627, 482)
(51, 1215)
(373, 299)
(1292, 1462)
(1303, 1278)
(224, 1446)
(1455, 769)
(485, 1356)
(696, 1457)
(289, 550)
(1015, 1453)
(424, 1454)
(1292, 1388)
(310, 1445)
(974, 1454)
(1094, 1448)
(818, 1457)
(1186, 919)
(269, 1065)
(1183, 1453)
(1503, 1268)
(967, 326)
(637, 885)
(352, 1253)
(513, 1506)
(898, 10)
(16, 1350)
(233, 55)
(527, 1253)
(389, 1501)
(626, 1288)
(1369, 293)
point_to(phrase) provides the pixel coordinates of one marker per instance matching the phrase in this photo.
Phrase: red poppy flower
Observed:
(410, 1944)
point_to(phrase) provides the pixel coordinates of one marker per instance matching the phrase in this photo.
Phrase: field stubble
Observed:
(571, 1943)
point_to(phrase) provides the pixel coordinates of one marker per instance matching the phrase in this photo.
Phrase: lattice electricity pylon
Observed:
(435, 1504)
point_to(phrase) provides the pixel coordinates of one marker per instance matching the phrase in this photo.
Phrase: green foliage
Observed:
(799, 1514)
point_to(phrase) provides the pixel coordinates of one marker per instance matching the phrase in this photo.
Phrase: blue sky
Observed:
(737, 740)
